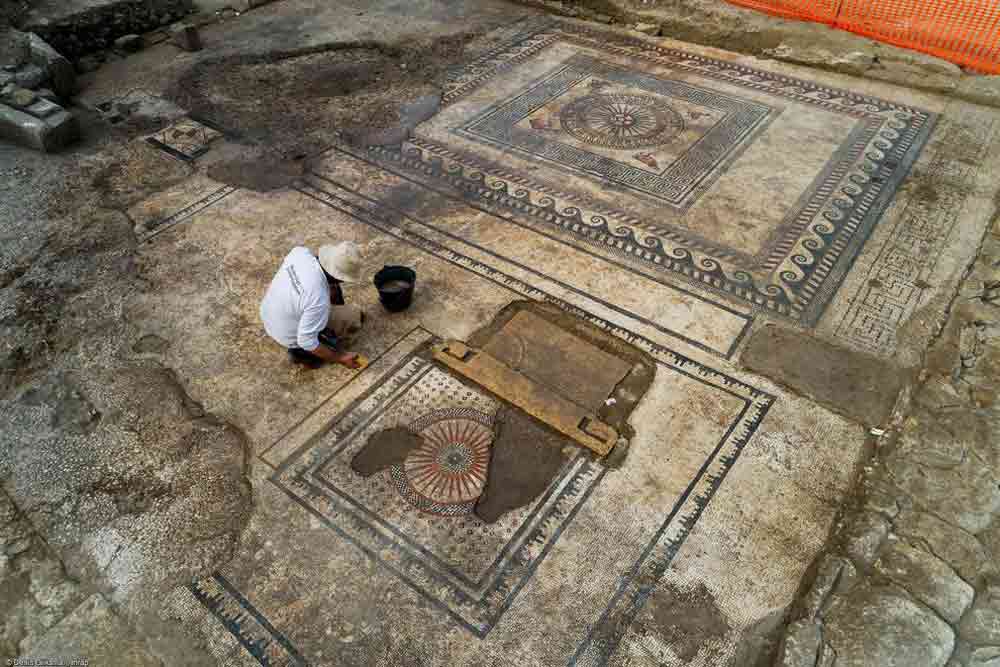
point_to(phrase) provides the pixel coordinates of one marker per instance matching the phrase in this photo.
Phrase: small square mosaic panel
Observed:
(186, 139)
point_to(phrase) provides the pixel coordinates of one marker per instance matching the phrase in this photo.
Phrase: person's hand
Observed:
(350, 361)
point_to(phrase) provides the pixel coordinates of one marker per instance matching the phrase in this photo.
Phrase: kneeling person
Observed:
(304, 308)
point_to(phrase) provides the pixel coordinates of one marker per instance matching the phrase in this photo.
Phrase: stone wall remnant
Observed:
(80, 28)
(30, 72)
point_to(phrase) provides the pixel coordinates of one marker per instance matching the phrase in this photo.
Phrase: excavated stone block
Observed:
(864, 537)
(186, 37)
(57, 130)
(13, 48)
(834, 575)
(801, 645)
(30, 76)
(981, 625)
(62, 76)
(42, 108)
(245, 5)
(22, 98)
(130, 43)
(905, 632)
(48, 94)
(928, 579)
(985, 656)
(960, 549)
(965, 495)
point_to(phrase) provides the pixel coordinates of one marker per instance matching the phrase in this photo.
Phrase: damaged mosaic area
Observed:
(476, 565)
(462, 576)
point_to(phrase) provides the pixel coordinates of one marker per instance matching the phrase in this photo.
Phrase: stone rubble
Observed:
(925, 540)
(78, 29)
(35, 592)
(60, 71)
(26, 117)
(186, 37)
(129, 43)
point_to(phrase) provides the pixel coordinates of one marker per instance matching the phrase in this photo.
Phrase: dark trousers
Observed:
(307, 357)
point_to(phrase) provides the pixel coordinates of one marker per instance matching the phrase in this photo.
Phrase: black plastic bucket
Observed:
(395, 287)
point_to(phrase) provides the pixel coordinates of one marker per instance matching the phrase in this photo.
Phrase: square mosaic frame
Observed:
(679, 183)
(794, 277)
(476, 601)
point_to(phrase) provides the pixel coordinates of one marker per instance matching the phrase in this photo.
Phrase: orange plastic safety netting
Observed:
(966, 32)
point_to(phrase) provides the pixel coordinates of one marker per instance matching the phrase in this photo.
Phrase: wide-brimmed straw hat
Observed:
(342, 261)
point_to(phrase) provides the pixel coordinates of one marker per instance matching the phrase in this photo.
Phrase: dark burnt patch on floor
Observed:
(859, 386)
(688, 620)
(364, 92)
(257, 173)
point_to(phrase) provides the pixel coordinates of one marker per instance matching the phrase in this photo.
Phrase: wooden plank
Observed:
(536, 399)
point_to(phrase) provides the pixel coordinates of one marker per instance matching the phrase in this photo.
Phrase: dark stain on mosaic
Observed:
(384, 449)
(686, 619)
(527, 456)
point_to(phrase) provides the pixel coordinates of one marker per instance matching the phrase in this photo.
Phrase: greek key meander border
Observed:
(805, 307)
(865, 321)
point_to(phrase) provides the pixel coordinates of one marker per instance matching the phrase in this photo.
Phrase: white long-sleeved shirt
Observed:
(296, 307)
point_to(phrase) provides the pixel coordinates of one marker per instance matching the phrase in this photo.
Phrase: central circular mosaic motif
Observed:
(447, 473)
(622, 122)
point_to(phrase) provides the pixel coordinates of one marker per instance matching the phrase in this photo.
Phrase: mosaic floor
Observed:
(674, 200)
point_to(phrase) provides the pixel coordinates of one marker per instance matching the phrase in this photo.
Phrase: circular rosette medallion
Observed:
(447, 473)
(623, 122)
